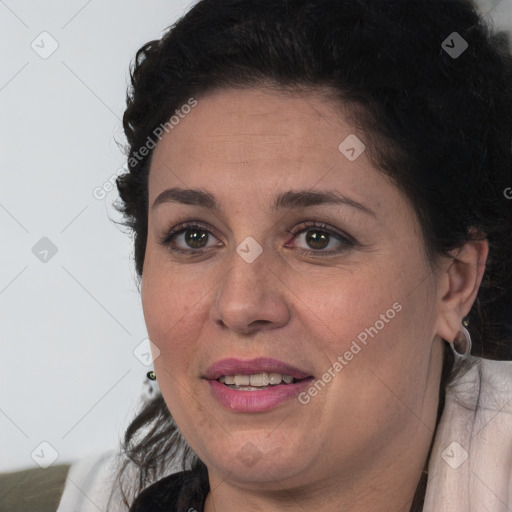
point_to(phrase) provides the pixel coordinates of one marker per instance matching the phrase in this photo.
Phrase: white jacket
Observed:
(470, 469)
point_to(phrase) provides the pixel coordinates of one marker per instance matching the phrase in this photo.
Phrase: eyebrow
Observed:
(293, 199)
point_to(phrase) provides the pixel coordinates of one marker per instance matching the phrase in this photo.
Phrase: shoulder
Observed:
(33, 489)
(483, 384)
(470, 467)
(92, 485)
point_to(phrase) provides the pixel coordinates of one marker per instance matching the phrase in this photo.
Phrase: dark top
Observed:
(170, 493)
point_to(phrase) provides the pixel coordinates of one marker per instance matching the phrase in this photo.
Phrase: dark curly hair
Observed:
(438, 124)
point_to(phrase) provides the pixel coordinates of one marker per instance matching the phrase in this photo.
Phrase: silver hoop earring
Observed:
(462, 343)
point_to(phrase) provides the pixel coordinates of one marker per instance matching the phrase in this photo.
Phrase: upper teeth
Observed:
(258, 380)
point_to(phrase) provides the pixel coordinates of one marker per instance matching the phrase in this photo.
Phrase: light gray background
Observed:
(69, 326)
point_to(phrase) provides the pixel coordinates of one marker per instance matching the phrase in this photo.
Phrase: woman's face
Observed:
(337, 294)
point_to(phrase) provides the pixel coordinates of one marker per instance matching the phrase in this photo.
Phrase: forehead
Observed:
(263, 137)
(270, 119)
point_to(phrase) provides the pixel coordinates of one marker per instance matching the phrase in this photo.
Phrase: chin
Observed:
(249, 457)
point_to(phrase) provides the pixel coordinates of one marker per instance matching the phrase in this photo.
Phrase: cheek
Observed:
(172, 304)
(167, 304)
(349, 303)
(377, 323)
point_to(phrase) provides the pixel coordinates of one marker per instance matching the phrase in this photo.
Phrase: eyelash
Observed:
(347, 241)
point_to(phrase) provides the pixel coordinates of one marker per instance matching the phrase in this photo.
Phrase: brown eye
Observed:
(318, 237)
(195, 238)
(187, 238)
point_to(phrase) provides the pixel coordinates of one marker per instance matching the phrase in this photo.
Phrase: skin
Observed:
(363, 440)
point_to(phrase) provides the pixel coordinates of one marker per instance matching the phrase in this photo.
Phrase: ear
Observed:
(458, 283)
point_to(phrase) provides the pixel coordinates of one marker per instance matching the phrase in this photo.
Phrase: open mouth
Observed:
(255, 385)
(257, 381)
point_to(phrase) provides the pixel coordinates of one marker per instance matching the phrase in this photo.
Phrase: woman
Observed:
(318, 191)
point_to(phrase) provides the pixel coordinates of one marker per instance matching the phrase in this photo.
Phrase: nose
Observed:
(251, 297)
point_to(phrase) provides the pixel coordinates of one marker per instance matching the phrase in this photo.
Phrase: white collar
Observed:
(470, 469)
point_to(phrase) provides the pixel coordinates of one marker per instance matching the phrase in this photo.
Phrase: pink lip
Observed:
(234, 366)
(256, 401)
(260, 400)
